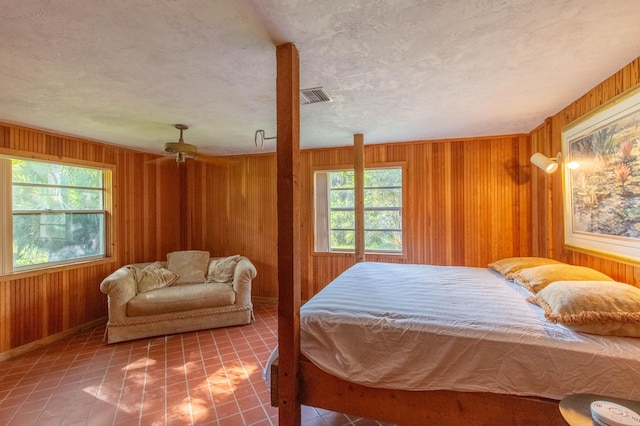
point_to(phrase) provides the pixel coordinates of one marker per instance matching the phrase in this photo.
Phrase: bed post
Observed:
(288, 161)
(358, 165)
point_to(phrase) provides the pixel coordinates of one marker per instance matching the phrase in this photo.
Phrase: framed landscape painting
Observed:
(602, 195)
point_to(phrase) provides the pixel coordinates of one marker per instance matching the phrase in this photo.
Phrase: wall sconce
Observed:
(549, 165)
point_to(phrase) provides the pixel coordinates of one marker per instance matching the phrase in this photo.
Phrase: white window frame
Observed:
(6, 225)
(322, 210)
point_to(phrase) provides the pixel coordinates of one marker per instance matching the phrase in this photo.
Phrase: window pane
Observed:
(383, 241)
(25, 171)
(382, 177)
(341, 198)
(41, 238)
(52, 198)
(342, 220)
(382, 197)
(342, 240)
(385, 219)
(341, 179)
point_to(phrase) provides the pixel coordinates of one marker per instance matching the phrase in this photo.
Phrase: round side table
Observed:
(576, 409)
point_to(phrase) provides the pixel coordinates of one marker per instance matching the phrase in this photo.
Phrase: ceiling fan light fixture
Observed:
(180, 148)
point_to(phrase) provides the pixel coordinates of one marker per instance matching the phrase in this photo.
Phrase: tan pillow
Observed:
(222, 270)
(190, 265)
(510, 265)
(153, 277)
(597, 307)
(536, 278)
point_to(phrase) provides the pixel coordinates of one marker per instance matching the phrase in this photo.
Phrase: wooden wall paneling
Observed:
(56, 303)
(4, 136)
(307, 241)
(26, 311)
(474, 235)
(54, 145)
(198, 184)
(6, 319)
(541, 194)
(27, 140)
(150, 230)
(424, 243)
(549, 136)
(456, 190)
(523, 238)
(168, 211)
(438, 211)
(191, 239)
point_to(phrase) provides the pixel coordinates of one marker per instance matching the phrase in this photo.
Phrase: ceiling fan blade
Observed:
(215, 160)
(161, 160)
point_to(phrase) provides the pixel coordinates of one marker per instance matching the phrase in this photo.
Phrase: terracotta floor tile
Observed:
(209, 377)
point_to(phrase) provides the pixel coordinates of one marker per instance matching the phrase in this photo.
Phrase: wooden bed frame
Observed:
(297, 381)
(322, 390)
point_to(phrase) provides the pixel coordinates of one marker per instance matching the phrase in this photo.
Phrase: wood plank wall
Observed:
(35, 306)
(466, 203)
(546, 202)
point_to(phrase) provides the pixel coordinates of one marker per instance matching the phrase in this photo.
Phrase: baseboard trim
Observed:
(21, 350)
(258, 300)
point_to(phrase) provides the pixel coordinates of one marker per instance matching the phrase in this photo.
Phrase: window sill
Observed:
(11, 276)
(376, 255)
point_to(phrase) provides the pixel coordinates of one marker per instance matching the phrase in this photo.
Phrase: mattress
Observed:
(424, 327)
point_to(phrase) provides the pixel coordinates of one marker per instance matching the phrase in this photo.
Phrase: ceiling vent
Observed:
(314, 96)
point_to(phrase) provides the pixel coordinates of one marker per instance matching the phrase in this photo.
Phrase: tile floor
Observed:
(210, 377)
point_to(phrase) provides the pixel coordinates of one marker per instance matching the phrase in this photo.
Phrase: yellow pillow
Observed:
(510, 265)
(538, 277)
(597, 307)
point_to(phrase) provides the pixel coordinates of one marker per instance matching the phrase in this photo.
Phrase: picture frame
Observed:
(602, 195)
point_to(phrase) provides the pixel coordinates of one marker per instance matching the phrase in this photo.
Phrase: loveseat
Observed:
(190, 291)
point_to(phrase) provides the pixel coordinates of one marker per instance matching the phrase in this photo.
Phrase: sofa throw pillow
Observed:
(190, 265)
(597, 307)
(221, 270)
(153, 277)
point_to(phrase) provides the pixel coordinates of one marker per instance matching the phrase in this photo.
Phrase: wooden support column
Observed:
(288, 164)
(358, 165)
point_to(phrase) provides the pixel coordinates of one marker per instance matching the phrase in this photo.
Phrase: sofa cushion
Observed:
(190, 265)
(181, 298)
(221, 270)
(152, 277)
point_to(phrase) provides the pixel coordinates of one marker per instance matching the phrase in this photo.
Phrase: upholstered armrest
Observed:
(120, 286)
(244, 273)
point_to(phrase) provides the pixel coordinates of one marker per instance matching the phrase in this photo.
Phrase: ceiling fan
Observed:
(181, 150)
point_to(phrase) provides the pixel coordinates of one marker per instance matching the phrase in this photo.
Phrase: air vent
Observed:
(314, 96)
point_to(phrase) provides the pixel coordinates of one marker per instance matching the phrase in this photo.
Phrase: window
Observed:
(335, 214)
(57, 213)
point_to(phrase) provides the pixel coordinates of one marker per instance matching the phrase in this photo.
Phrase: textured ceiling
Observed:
(123, 72)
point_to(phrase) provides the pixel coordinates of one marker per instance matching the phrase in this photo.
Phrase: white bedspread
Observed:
(425, 327)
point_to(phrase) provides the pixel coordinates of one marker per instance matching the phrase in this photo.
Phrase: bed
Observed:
(414, 344)
(300, 381)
